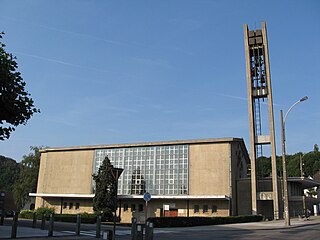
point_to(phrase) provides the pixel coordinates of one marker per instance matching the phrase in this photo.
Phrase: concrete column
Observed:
(315, 210)
(51, 221)
(14, 225)
(34, 221)
(133, 229)
(149, 231)
(2, 216)
(107, 235)
(98, 227)
(139, 232)
(78, 223)
(271, 124)
(43, 221)
(251, 120)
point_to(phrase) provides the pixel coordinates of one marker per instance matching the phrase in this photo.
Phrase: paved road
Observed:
(263, 231)
(219, 233)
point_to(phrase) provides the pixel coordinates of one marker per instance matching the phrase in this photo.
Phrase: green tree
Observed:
(264, 166)
(105, 193)
(8, 173)
(316, 148)
(311, 163)
(293, 165)
(16, 105)
(28, 177)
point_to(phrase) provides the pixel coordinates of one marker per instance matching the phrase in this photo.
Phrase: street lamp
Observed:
(116, 172)
(301, 164)
(285, 183)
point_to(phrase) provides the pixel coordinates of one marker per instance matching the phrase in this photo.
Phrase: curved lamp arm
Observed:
(301, 100)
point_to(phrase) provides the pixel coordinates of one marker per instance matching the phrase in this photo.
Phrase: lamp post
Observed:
(116, 172)
(2, 197)
(285, 183)
(301, 165)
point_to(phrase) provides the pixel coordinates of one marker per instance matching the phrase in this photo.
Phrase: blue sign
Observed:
(147, 197)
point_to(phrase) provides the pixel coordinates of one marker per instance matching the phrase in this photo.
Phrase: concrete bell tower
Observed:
(261, 117)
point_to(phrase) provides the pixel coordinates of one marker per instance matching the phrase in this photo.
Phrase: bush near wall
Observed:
(85, 217)
(46, 211)
(200, 221)
(27, 214)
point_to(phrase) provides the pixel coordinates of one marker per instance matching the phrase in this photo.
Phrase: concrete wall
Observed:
(68, 172)
(239, 168)
(244, 197)
(155, 208)
(85, 205)
(209, 169)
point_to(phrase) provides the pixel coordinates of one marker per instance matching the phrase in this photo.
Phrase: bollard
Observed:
(150, 231)
(43, 221)
(34, 222)
(107, 235)
(2, 216)
(139, 232)
(78, 224)
(133, 228)
(98, 227)
(146, 233)
(315, 210)
(50, 230)
(14, 225)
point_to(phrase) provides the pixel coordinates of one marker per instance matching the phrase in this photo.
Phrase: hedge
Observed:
(200, 221)
(28, 214)
(85, 217)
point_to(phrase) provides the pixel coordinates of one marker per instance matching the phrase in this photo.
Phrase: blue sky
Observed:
(105, 72)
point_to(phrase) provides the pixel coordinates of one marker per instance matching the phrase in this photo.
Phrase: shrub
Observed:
(46, 211)
(28, 214)
(85, 218)
(86, 215)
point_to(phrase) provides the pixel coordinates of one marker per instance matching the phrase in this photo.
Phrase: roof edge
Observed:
(143, 144)
(68, 195)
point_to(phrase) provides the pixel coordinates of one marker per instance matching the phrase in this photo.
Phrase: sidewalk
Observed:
(277, 224)
(36, 233)
(29, 233)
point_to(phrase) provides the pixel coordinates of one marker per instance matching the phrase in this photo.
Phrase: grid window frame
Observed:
(165, 169)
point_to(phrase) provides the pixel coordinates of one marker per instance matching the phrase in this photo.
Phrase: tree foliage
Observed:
(28, 177)
(105, 193)
(316, 148)
(310, 161)
(16, 105)
(9, 170)
(264, 167)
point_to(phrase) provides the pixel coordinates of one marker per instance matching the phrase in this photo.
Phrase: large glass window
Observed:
(160, 170)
